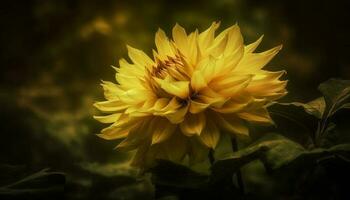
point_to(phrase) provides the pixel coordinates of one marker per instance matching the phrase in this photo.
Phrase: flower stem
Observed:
(211, 156)
(238, 173)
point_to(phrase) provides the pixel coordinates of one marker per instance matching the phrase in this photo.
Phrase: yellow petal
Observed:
(172, 107)
(267, 84)
(160, 104)
(111, 90)
(180, 39)
(255, 61)
(251, 47)
(176, 147)
(113, 133)
(207, 68)
(163, 44)
(197, 81)
(234, 40)
(192, 48)
(140, 133)
(210, 135)
(111, 106)
(258, 116)
(162, 130)
(127, 82)
(130, 69)
(232, 124)
(209, 96)
(135, 96)
(206, 38)
(196, 107)
(231, 106)
(193, 124)
(177, 88)
(229, 62)
(229, 86)
(178, 116)
(108, 118)
(228, 81)
(139, 57)
(126, 121)
(218, 46)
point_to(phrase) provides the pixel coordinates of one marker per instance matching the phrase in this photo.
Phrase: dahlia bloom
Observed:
(196, 87)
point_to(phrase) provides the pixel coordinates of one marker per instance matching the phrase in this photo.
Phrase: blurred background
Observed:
(55, 53)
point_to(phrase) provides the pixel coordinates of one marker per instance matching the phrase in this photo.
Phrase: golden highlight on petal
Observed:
(197, 86)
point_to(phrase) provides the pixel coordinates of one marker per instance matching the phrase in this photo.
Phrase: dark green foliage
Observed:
(54, 54)
(293, 159)
(39, 185)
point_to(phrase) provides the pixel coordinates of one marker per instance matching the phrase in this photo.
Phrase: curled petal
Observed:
(258, 117)
(210, 135)
(177, 116)
(111, 90)
(197, 81)
(193, 124)
(252, 62)
(197, 107)
(163, 45)
(206, 38)
(251, 47)
(162, 130)
(108, 118)
(232, 124)
(177, 88)
(140, 58)
(113, 133)
(111, 106)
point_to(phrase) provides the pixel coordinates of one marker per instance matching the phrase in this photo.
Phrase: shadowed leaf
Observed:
(167, 173)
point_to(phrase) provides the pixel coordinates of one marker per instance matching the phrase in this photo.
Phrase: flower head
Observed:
(196, 86)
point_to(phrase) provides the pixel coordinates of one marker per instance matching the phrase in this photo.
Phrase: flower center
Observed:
(173, 66)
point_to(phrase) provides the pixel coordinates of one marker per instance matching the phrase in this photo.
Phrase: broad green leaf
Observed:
(166, 173)
(273, 149)
(113, 180)
(315, 107)
(43, 184)
(318, 155)
(337, 95)
(296, 120)
(111, 169)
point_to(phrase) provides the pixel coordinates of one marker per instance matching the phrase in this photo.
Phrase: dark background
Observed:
(54, 54)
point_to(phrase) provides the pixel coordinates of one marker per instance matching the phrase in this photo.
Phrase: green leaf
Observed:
(296, 120)
(273, 149)
(315, 107)
(112, 180)
(319, 154)
(337, 95)
(38, 185)
(167, 173)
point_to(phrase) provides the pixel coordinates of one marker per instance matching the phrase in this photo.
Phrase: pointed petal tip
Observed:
(217, 22)
(279, 47)
(100, 135)
(131, 48)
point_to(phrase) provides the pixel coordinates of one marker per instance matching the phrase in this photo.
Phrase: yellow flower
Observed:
(197, 86)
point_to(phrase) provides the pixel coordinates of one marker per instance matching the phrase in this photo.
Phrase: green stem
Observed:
(238, 173)
(211, 157)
